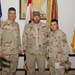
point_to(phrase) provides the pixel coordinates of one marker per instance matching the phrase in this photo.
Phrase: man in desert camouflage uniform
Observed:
(10, 45)
(58, 49)
(35, 44)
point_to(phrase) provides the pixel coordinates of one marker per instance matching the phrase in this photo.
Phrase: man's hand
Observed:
(1, 54)
(20, 52)
(62, 63)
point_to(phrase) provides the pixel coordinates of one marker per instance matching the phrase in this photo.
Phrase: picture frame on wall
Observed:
(37, 5)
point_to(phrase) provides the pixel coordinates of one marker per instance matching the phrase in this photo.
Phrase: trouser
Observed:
(10, 68)
(31, 59)
(54, 70)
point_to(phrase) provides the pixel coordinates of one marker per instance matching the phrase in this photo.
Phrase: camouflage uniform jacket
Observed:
(29, 38)
(58, 46)
(9, 38)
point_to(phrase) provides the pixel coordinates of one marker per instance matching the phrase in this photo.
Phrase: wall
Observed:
(66, 18)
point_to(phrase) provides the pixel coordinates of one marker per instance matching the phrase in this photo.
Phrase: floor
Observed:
(23, 73)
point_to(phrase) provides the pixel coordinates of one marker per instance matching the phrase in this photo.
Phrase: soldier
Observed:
(58, 49)
(10, 45)
(35, 44)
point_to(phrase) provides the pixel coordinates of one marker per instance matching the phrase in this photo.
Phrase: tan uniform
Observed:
(35, 44)
(58, 51)
(10, 45)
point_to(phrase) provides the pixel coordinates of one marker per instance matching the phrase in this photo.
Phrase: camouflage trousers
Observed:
(54, 70)
(9, 68)
(31, 59)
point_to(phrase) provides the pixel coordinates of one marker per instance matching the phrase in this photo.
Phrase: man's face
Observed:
(11, 15)
(36, 19)
(54, 26)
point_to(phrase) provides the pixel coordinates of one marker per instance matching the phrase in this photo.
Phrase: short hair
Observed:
(11, 9)
(54, 20)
